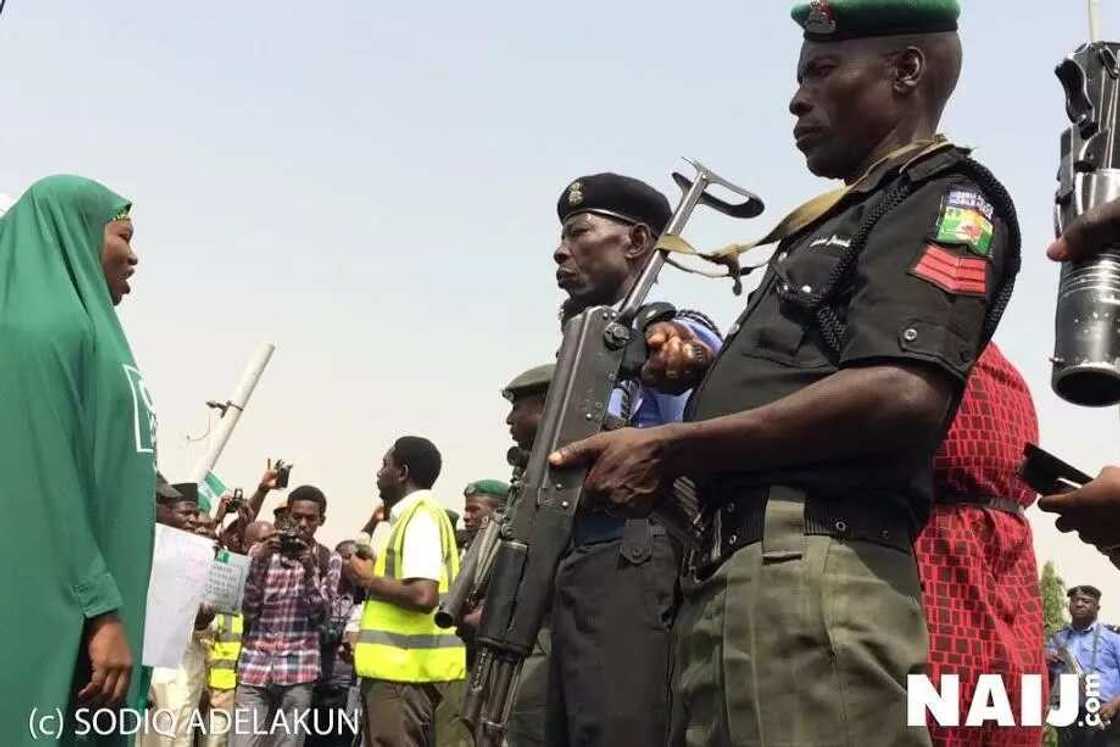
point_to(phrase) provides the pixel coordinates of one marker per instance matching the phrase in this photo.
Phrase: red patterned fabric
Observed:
(979, 576)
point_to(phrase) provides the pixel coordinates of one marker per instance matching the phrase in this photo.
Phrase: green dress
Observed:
(77, 455)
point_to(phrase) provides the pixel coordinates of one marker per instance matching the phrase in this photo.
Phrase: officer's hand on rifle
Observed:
(1097, 229)
(1092, 511)
(678, 358)
(628, 467)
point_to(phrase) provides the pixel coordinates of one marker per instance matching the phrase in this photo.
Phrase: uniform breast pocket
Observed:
(785, 325)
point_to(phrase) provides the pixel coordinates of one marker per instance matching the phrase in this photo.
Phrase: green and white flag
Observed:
(209, 491)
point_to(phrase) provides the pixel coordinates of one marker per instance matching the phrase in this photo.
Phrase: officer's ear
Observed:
(909, 69)
(641, 241)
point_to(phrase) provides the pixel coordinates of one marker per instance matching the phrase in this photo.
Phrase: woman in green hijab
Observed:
(77, 462)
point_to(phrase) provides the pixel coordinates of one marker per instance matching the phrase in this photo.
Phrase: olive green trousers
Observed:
(799, 641)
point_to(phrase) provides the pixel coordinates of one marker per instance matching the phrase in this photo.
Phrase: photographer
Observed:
(1094, 510)
(292, 583)
(335, 691)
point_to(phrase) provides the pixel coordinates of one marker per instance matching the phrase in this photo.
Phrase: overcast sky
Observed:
(371, 186)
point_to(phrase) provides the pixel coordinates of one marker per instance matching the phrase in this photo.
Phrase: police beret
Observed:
(1090, 591)
(188, 491)
(164, 492)
(533, 380)
(836, 20)
(492, 488)
(615, 196)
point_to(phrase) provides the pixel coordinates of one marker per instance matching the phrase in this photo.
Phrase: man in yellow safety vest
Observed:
(404, 659)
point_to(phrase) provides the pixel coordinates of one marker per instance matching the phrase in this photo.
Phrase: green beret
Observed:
(615, 196)
(836, 20)
(529, 382)
(493, 488)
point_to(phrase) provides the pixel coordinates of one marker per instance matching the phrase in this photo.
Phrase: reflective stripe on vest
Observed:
(224, 651)
(401, 645)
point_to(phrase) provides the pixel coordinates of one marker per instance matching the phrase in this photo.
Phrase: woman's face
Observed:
(117, 259)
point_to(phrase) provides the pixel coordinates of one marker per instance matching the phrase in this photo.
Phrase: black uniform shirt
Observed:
(918, 293)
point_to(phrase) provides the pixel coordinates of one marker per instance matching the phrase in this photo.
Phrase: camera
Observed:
(237, 501)
(291, 541)
(283, 471)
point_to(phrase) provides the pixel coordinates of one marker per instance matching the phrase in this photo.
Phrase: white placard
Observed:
(225, 586)
(181, 564)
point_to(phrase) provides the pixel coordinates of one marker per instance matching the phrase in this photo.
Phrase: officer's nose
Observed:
(799, 106)
(561, 254)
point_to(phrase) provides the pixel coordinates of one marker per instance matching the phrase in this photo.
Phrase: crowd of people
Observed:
(854, 438)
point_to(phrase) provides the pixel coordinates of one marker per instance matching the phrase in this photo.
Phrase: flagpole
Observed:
(234, 407)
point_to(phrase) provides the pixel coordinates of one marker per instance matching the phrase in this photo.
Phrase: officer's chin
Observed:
(821, 164)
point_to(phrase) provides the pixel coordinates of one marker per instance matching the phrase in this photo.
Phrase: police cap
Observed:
(621, 197)
(836, 20)
(530, 382)
(1089, 591)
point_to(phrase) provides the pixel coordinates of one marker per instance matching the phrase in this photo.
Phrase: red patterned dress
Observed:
(979, 576)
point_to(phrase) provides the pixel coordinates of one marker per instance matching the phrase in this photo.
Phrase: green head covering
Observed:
(491, 488)
(529, 382)
(836, 20)
(77, 449)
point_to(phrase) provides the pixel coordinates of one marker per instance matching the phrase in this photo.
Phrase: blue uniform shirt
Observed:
(648, 408)
(1107, 661)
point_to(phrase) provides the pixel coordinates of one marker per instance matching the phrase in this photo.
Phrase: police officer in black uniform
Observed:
(812, 434)
(615, 589)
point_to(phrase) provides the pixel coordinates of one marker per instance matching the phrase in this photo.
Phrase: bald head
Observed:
(858, 99)
(256, 532)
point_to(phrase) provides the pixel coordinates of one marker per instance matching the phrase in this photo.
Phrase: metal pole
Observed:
(232, 414)
(1094, 20)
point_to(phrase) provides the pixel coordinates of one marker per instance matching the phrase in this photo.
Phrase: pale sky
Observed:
(372, 187)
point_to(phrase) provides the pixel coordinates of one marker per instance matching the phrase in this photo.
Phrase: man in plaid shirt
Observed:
(287, 595)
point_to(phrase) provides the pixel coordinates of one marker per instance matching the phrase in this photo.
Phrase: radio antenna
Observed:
(1094, 20)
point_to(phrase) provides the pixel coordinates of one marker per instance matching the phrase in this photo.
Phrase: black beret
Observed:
(1089, 591)
(615, 196)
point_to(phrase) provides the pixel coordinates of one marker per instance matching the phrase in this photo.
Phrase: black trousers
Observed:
(1079, 736)
(611, 616)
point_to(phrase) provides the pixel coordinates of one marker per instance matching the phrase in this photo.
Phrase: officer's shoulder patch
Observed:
(966, 220)
(952, 272)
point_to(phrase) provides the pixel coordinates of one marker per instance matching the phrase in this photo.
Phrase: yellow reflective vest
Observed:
(401, 645)
(224, 650)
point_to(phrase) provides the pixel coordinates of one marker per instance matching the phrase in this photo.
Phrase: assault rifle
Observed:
(602, 347)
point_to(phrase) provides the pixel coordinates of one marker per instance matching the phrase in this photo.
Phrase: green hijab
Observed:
(77, 450)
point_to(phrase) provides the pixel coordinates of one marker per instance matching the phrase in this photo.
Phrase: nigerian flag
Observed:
(209, 491)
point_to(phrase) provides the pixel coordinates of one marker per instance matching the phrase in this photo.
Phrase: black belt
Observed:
(736, 519)
(1006, 505)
